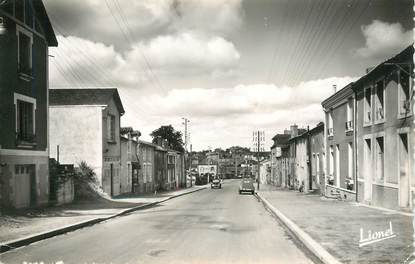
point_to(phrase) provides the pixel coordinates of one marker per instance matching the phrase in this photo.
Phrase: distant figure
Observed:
(301, 188)
(155, 189)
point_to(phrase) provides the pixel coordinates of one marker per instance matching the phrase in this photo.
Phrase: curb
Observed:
(13, 244)
(312, 245)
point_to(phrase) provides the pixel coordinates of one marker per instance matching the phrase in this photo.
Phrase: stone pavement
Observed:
(336, 226)
(20, 224)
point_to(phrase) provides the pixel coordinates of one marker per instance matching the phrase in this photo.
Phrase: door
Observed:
(33, 185)
(403, 170)
(367, 171)
(22, 186)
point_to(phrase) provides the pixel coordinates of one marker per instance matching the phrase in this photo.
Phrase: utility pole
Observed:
(258, 159)
(185, 122)
(190, 166)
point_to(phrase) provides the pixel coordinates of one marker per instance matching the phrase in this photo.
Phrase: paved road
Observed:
(209, 226)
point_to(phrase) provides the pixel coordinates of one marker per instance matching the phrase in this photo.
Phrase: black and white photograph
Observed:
(207, 131)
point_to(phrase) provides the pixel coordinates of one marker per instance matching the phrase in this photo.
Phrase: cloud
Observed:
(144, 19)
(187, 50)
(96, 64)
(384, 39)
(226, 116)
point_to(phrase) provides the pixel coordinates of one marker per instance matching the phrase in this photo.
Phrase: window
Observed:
(24, 46)
(111, 128)
(331, 166)
(367, 105)
(19, 9)
(330, 130)
(350, 160)
(129, 146)
(337, 165)
(404, 92)
(25, 118)
(380, 159)
(28, 14)
(349, 122)
(380, 100)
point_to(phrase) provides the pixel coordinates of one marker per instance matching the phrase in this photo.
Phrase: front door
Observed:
(403, 170)
(367, 171)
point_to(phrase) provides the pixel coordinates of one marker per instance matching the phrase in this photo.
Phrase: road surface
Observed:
(209, 226)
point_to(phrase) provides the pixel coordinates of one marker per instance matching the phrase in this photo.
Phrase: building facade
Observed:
(129, 160)
(340, 143)
(146, 178)
(316, 141)
(385, 133)
(24, 142)
(85, 126)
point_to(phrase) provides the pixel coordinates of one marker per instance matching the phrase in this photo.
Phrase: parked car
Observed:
(247, 185)
(216, 183)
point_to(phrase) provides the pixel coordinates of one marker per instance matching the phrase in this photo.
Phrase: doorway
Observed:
(112, 179)
(403, 154)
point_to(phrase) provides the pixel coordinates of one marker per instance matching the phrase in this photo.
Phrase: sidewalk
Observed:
(15, 226)
(336, 225)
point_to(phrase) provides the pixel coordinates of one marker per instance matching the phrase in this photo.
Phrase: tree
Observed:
(173, 137)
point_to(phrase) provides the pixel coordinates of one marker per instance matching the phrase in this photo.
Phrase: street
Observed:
(210, 226)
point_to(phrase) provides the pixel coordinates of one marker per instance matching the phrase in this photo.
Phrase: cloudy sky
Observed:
(230, 66)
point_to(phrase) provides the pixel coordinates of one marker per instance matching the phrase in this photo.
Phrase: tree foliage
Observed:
(173, 137)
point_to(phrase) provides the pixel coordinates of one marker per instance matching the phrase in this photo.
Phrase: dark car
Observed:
(216, 184)
(247, 185)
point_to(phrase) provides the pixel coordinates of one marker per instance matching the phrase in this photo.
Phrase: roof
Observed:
(341, 94)
(85, 96)
(280, 139)
(404, 57)
(43, 19)
(319, 127)
(147, 143)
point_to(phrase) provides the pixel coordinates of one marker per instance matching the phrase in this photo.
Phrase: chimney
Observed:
(294, 130)
(369, 69)
(334, 88)
(287, 132)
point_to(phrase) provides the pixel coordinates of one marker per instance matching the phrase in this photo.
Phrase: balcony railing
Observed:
(25, 138)
(380, 114)
(349, 125)
(330, 132)
(405, 107)
(368, 116)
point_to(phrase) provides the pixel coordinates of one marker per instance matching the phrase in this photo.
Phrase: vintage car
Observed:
(216, 183)
(247, 185)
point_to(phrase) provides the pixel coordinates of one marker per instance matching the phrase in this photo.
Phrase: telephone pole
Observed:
(186, 141)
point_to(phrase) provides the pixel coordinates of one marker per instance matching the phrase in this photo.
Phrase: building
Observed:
(316, 149)
(85, 126)
(278, 159)
(146, 178)
(175, 170)
(385, 133)
(160, 169)
(300, 162)
(25, 38)
(265, 171)
(340, 159)
(129, 180)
